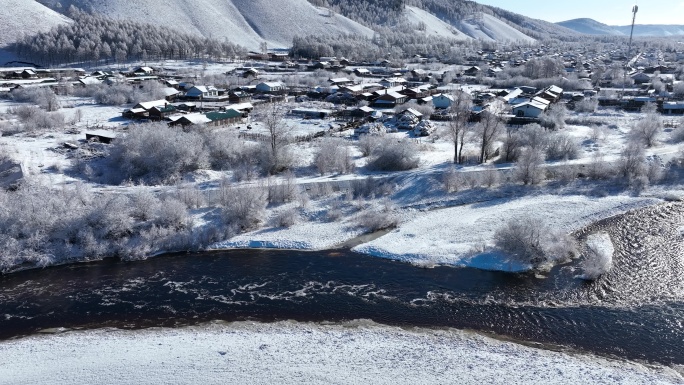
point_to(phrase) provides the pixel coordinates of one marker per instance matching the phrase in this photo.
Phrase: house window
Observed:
(521, 114)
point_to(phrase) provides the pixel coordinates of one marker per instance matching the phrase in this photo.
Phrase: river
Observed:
(634, 312)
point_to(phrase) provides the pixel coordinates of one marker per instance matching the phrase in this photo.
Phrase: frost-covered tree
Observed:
(334, 155)
(648, 129)
(489, 128)
(457, 127)
(276, 157)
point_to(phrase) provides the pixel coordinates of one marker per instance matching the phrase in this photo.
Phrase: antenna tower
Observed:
(635, 9)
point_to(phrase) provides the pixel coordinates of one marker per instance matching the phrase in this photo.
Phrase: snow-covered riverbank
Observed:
(295, 353)
(459, 236)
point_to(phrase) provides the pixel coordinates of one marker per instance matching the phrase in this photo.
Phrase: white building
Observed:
(531, 109)
(202, 92)
(270, 87)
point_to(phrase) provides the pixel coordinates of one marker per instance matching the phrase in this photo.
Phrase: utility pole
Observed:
(635, 9)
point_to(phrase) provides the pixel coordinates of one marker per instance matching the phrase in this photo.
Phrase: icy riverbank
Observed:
(459, 236)
(295, 353)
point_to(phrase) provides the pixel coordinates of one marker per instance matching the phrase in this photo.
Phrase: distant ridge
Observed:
(590, 27)
(593, 27)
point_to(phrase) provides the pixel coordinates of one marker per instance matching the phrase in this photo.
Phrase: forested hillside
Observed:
(94, 37)
(455, 12)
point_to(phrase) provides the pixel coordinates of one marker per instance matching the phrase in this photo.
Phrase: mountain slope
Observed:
(590, 27)
(433, 26)
(489, 28)
(593, 27)
(19, 17)
(245, 22)
(653, 30)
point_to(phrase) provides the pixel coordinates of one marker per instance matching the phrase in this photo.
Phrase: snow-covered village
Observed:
(250, 183)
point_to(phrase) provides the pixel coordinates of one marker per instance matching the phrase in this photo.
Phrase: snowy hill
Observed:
(482, 26)
(653, 30)
(245, 22)
(590, 27)
(593, 27)
(433, 26)
(20, 17)
(488, 27)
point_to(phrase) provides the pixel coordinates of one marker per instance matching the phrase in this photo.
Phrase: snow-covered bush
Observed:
(41, 226)
(287, 218)
(282, 190)
(157, 153)
(334, 156)
(227, 151)
(599, 169)
(598, 256)
(377, 217)
(632, 163)
(587, 105)
(554, 117)
(529, 169)
(369, 143)
(190, 195)
(530, 241)
(172, 213)
(33, 118)
(244, 208)
(562, 147)
(452, 180)
(647, 130)
(394, 155)
(371, 188)
(43, 97)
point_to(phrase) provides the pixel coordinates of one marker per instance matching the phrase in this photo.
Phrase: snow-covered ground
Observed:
(459, 236)
(462, 236)
(294, 353)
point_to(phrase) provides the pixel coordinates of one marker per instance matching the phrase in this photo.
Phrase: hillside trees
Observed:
(95, 38)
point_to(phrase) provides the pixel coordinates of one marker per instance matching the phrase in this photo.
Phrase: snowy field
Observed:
(295, 353)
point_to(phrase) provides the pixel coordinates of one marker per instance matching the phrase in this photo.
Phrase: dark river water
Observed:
(634, 312)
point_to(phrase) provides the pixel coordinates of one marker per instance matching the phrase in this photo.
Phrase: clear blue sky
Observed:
(611, 12)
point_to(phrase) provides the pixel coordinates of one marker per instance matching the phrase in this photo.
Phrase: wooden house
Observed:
(390, 99)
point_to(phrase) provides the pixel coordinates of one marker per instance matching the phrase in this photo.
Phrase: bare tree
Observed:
(632, 163)
(489, 129)
(457, 128)
(513, 142)
(272, 117)
(648, 129)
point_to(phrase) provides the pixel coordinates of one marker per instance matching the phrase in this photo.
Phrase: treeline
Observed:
(393, 44)
(96, 38)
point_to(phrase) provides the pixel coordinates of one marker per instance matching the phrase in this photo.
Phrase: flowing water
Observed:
(635, 312)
